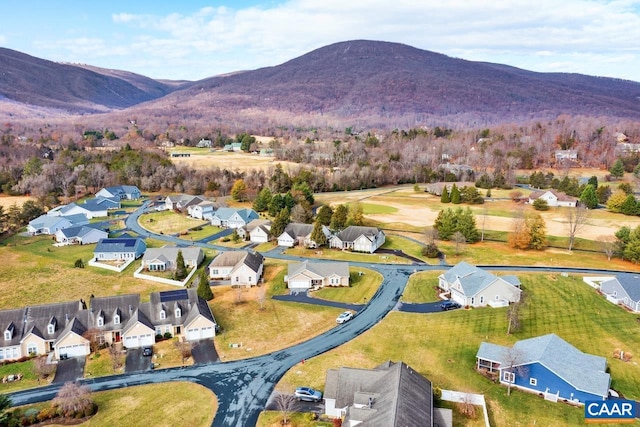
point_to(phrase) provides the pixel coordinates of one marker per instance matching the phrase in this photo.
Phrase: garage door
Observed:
(206, 332)
(139, 340)
(197, 334)
(298, 284)
(73, 350)
(193, 334)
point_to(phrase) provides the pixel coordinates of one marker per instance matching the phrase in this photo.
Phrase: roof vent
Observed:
(370, 404)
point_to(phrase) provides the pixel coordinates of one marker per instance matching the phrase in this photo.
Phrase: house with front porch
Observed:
(549, 366)
(165, 258)
(358, 239)
(623, 289)
(471, 286)
(80, 235)
(238, 267)
(314, 275)
(296, 233)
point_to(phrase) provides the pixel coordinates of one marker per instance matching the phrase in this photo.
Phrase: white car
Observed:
(344, 317)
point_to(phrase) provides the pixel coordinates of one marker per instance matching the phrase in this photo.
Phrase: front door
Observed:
(116, 336)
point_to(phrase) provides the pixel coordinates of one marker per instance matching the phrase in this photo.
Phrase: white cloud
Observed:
(529, 32)
(3, 39)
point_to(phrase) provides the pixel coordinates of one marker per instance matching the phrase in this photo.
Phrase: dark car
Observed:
(147, 351)
(308, 394)
(449, 305)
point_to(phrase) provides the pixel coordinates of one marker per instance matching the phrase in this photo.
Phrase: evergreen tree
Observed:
(589, 197)
(181, 269)
(617, 170)
(276, 204)
(324, 215)
(445, 224)
(204, 289)
(317, 235)
(455, 195)
(466, 224)
(614, 203)
(537, 232)
(444, 197)
(239, 190)
(261, 203)
(624, 186)
(632, 248)
(540, 205)
(355, 216)
(623, 235)
(339, 218)
(280, 222)
(593, 181)
(289, 201)
(603, 192)
(629, 206)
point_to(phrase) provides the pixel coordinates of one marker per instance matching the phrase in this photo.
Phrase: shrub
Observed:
(47, 413)
(79, 263)
(540, 205)
(431, 250)
(159, 337)
(167, 335)
(437, 395)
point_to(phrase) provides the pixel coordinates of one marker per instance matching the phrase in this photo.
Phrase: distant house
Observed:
(80, 235)
(471, 286)
(235, 146)
(314, 275)
(122, 192)
(165, 258)
(392, 394)
(549, 366)
(48, 224)
(238, 267)
(436, 188)
(258, 231)
(204, 143)
(623, 289)
(203, 210)
(554, 198)
(296, 233)
(117, 249)
(233, 218)
(182, 202)
(563, 155)
(97, 207)
(358, 239)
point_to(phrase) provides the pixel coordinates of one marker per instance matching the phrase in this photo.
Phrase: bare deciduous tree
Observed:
(116, 358)
(262, 296)
(459, 239)
(513, 358)
(576, 217)
(73, 398)
(466, 406)
(184, 347)
(607, 245)
(286, 404)
(42, 368)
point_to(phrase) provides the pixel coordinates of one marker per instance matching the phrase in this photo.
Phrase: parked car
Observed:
(147, 351)
(344, 317)
(308, 394)
(449, 305)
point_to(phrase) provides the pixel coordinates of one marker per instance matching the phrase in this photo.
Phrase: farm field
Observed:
(204, 158)
(442, 346)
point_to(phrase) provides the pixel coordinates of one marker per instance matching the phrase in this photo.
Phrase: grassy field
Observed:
(361, 289)
(158, 405)
(339, 255)
(100, 364)
(371, 208)
(29, 376)
(421, 287)
(169, 222)
(34, 272)
(442, 346)
(407, 246)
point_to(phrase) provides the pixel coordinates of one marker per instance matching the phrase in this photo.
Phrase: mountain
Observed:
(34, 81)
(376, 83)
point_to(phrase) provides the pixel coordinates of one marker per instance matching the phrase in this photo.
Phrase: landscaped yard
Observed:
(102, 363)
(361, 289)
(169, 222)
(163, 405)
(29, 376)
(166, 354)
(421, 287)
(442, 346)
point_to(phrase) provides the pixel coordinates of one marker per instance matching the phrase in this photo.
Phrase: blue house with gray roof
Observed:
(623, 289)
(129, 192)
(549, 366)
(233, 218)
(471, 286)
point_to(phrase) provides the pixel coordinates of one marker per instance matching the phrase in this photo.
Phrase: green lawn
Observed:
(169, 222)
(101, 363)
(29, 376)
(407, 246)
(361, 289)
(339, 255)
(442, 346)
(422, 287)
(372, 208)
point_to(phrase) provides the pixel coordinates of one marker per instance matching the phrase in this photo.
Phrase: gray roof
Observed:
(190, 306)
(583, 371)
(322, 269)
(119, 244)
(253, 260)
(100, 203)
(630, 283)
(474, 279)
(123, 305)
(352, 232)
(80, 231)
(48, 221)
(77, 325)
(246, 214)
(121, 190)
(138, 316)
(400, 396)
(13, 318)
(170, 254)
(258, 223)
(298, 229)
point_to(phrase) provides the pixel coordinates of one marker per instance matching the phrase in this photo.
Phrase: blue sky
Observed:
(195, 39)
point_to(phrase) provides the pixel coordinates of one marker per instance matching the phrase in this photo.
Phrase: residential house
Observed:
(358, 239)
(48, 224)
(257, 231)
(43, 329)
(314, 275)
(109, 315)
(80, 235)
(181, 202)
(436, 188)
(471, 286)
(165, 258)
(116, 249)
(181, 312)
(549, 366)
(296, 233)
(238, 267)
(623, 289)
(392, 394)
(203, 210)
(554, 198)
(235, 146)
(97, 207)
(566, 155)
(233, 218)
(122, 192)
(204, 143)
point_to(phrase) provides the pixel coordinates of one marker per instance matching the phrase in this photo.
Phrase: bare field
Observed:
(206, 159)
(7, 201)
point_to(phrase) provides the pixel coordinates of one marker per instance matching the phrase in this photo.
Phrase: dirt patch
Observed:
(7, 201)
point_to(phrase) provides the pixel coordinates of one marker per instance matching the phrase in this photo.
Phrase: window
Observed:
(51, 328)
(178, 312)
(214, 271)
(533, 381)
(163, 315)
(7, 335)
(116, 319)
(32, 349)
(509, 377)
(473, 300)
(481, 300)
(100, 321)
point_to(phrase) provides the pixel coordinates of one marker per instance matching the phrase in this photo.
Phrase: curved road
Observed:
(244, 386)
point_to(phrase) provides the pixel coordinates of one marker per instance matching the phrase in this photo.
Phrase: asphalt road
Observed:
(243, 387)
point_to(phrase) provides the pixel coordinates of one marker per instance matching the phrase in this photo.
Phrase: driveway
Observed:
(428, 307)
(135, 361)
(70, 369)
(203, 352)
(303, 297)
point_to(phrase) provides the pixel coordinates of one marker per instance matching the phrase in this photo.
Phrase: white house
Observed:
(129, 192)
(554, 198)
(203, 210)
(296, 233)
(238, 267)
(165, 258)
(358, 239)
(624, 289)
(233, 218)
(80, 235)
(314, 275)
(474, 287)
(258, 231)
(48, 224)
